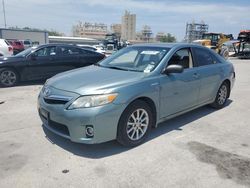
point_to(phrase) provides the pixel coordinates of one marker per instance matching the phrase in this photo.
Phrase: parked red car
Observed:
(17, 46)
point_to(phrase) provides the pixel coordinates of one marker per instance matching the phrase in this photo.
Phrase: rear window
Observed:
(18, 43)
(7, 42)
(26, 42)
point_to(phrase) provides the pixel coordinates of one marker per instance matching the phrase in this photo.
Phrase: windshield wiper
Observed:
(117, 68)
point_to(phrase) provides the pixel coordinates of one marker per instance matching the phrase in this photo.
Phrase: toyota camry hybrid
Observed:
(125, 95)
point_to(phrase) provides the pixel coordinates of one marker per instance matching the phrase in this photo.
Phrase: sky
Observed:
(162, 16)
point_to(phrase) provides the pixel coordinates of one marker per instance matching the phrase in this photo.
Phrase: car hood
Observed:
(93, 80)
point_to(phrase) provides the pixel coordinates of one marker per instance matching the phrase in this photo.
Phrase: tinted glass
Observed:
(203, 57)
(47, 51)
(26, 52)
(6, 42)
(18, 43)
(69, 50)
(27, 42)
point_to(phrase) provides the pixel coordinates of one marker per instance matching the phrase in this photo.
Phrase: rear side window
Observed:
(65, 50)
(203, 57)
(18, 43)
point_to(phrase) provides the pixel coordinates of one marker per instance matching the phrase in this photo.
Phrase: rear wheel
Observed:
(222, 96)
(8, 77)
(135, 124)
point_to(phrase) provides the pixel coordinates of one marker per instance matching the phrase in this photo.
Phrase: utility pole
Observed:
(5, 25)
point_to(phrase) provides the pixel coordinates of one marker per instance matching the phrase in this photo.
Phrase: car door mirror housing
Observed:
(33, 56)
(173, 69)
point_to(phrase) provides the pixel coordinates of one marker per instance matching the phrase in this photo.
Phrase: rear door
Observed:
(88, 57)
(209, 70)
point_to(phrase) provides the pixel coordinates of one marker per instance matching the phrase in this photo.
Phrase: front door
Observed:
(43, 63)
(179, 91)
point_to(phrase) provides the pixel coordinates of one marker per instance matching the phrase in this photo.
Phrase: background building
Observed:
(146, 34)
(128, 26)
(92, 30)
(117, 29)
(194, 31)
(37, 37)
(160, 36)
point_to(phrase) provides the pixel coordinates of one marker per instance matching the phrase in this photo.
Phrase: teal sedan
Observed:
(125, 95)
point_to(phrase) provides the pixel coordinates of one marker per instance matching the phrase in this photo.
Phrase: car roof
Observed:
(58, 44)
(168, 45)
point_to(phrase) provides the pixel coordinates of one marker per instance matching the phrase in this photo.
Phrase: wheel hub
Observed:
(137, 124)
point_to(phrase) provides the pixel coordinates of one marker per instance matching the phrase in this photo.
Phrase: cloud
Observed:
(161, 15)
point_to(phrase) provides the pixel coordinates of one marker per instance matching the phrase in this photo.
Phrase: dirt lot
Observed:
(203, 148)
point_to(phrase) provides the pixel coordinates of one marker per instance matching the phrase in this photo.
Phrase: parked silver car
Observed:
(128, 93)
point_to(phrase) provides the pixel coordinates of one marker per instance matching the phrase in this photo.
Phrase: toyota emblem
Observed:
(46, 91)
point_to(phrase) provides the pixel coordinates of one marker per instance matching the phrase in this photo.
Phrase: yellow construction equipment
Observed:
(215, 41)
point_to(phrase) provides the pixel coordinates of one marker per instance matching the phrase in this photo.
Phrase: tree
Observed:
(168, 38)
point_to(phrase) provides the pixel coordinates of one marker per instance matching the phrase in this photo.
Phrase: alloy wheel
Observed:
(8, 78)
(137, 124)
(222, 95)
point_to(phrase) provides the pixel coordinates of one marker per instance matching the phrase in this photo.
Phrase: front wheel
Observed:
(8, 77)
(135, 124)
(222, 96)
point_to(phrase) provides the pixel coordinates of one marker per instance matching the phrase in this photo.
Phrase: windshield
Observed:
(141, 59)
(25, 52)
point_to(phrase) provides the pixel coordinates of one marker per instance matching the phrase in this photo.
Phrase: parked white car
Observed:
(5, 48)
(27, 43)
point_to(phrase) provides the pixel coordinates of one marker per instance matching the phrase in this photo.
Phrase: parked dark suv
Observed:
(42, 62)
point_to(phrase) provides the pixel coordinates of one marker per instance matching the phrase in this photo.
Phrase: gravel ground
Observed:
(203, 148)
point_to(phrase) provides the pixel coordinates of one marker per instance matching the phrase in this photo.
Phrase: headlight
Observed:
(92, 101)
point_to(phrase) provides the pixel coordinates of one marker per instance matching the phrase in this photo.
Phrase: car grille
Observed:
(56, 99)
(59, 127)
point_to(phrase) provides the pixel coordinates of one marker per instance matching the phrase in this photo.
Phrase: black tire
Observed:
(221, 97)
(224, 53)
(124, 125)
(8, 77)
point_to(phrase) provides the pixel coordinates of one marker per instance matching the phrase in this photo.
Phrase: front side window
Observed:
(203, 57)
(182, 57)
(47, 51)
(141, 59)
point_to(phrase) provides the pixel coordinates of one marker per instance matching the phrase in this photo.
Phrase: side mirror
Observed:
(173, 69)
(33, 56)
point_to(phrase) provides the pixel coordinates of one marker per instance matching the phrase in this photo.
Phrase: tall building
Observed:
(128, 26)
(92, 30)
(194, 31)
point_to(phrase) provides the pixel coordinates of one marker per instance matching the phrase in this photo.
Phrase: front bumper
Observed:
(71, 124)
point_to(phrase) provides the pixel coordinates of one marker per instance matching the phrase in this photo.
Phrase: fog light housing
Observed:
(89, 131)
